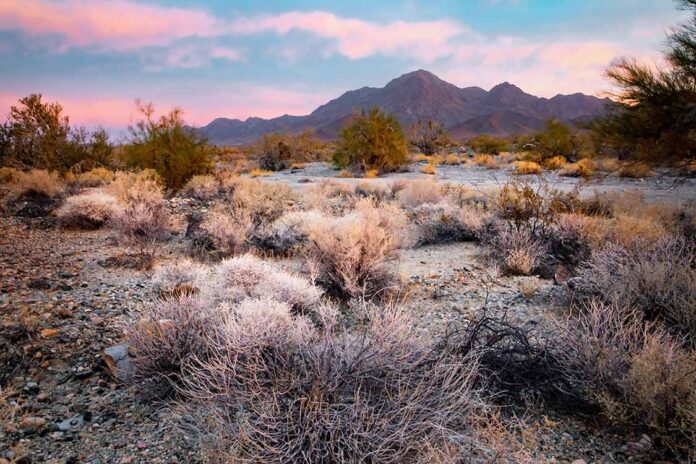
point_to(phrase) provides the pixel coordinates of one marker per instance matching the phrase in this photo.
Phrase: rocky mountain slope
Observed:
(421, 95)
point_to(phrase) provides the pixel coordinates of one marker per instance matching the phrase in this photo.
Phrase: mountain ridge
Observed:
(421, 95)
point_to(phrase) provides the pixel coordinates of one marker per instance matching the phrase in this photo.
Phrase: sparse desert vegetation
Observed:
(409, 292)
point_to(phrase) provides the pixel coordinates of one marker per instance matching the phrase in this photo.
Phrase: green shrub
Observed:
(166, 145)
(488, 145)
(373, 140)
(556, 140)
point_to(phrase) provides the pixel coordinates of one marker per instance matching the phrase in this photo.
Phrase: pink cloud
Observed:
(107, 24)
(126, 25)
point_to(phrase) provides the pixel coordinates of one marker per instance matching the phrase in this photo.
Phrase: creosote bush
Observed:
(373, 140)
(39, 183)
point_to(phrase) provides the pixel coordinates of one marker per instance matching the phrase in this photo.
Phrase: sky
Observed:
(243, 58)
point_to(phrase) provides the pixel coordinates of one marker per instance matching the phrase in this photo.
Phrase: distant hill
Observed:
(421, 95)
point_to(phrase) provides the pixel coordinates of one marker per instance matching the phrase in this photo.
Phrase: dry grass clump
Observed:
(443, 223)
(96, 177)
(555, 162)
(428, 169)
(419, 192)
(39, 183)
(247, 276)
(583, 168)
(636, 373)
(9, 175)
(256, 172)
(281, 390)
(202, 187)
(486, 161)
(636, 170)
(286, 235)
(526, 167)
(660, 281)
(90, 210)
(352, 256)
(227, 233)
(330, 196)
(371, 174)
(125, 182)
(608, 164)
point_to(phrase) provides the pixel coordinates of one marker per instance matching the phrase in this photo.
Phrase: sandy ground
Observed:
(663, 186)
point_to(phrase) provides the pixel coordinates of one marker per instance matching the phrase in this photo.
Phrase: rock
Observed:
(73, 423)
(579, 461)
(31, 387)
(49, 333)
(42, 397)
(39, 284)
(118, 361)
(33, 424)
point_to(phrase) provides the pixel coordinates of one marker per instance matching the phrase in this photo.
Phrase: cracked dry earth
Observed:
(60, 308)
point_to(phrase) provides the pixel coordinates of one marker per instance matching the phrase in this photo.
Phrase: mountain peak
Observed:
(420, 76)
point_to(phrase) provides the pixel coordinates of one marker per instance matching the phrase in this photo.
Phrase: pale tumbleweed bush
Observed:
(202, 187)
(90, 210)
(39, 182)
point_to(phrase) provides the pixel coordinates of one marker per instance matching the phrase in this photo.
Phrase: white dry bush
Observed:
(287, 234)
(263, 201)
(353, 255)
(235, 279)
(419, 192)
(228, 232)
(659, 281)
(145, 218)
(202, 187)
(96, 177)
(281, 389)
(330, 196)
(90, 210)
(181, 276)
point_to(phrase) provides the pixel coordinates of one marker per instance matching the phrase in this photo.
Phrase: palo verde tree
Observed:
(656, 115)
(373, 140)
(166, 145)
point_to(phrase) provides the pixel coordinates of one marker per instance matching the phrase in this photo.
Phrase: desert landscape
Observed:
(415, 273)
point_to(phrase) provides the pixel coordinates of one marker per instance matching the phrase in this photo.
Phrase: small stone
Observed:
(141, 444)
(42, 397)
(579, 461)
(33, 424)
(49, 333)
(31, 387)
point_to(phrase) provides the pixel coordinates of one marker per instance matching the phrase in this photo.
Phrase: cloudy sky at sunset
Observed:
(267, 58)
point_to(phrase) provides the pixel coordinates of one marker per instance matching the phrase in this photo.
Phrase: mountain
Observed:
(420, 95)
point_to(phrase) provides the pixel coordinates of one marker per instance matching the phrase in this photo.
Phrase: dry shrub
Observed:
(527, 167)
(96, 177)
(178, 278)
(161, 344)
(281, 390)
(256, 172)
(352, 255)
(517, 250)
(89, 210)
(419, 192)
(443, 223)
(286, 235)
(486, 161)
(227, 232)
(371, 174)
(659, 281)
(583, 168)
(264, 202)
(141, 181)
(39, 183)
(636, 373)
(202, 187)
(636, 170)
(247, 276)
(608, 164)
(330, 196)
(452, 160)
(627, 229)
(145, 219)
(555, 162)
(573, 236)
(428, 169)
(9, 175)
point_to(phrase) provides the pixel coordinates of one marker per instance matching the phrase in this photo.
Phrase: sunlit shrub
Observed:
(89, 210)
